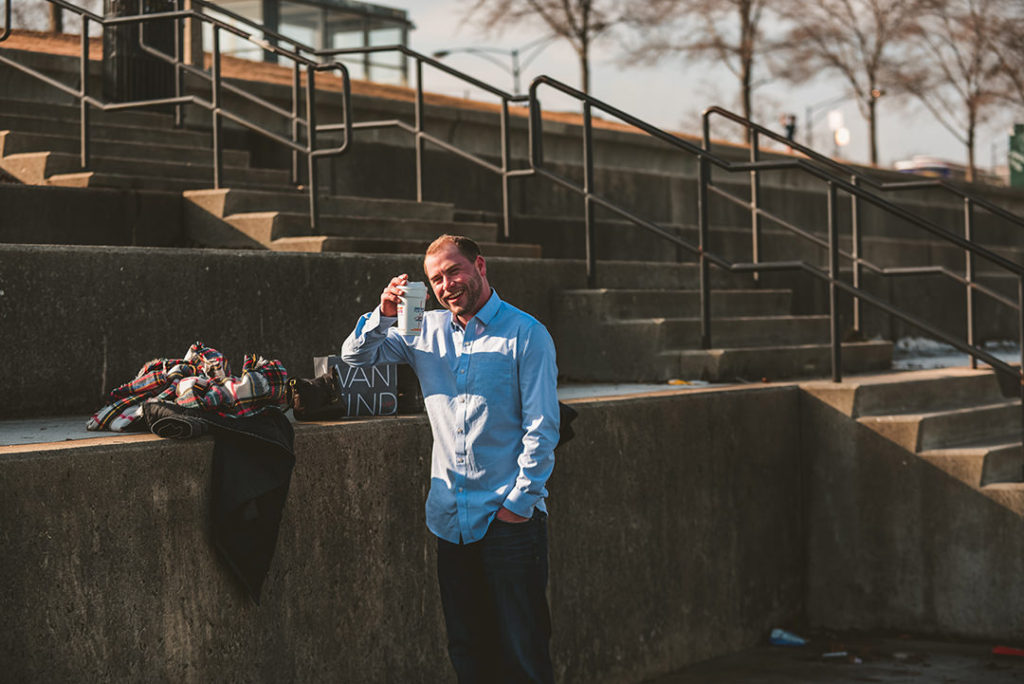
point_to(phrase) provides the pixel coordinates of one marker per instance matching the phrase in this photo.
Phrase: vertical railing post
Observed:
(419, 130)
(178, 25)
(1020, 344)
(506, 208)
(969, 274)
(855, 248)
(833, 289)
(218, 157)
(755, 214)
(536, 133)
(314, 194)
(703, 239)
(296, 80)
(588, 204)
(83, 104)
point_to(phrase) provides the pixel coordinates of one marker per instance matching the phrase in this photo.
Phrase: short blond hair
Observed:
(466, 246)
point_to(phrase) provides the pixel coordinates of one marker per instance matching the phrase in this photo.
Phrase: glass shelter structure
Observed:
(327, 25)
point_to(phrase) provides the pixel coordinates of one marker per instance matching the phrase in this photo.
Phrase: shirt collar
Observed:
(486, 313)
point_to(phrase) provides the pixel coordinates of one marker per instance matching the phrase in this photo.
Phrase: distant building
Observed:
(327, 25)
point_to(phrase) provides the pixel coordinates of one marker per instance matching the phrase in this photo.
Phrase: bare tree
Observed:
(1010, 41)
(859, 39)
(581, 22)
(726, 32)
(955, 67)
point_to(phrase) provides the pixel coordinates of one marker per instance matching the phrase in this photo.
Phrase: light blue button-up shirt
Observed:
(491, 395)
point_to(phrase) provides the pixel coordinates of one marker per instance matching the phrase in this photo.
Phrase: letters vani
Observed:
(371, 391)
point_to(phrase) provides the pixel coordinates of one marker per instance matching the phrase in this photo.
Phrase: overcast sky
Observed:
(673, 94)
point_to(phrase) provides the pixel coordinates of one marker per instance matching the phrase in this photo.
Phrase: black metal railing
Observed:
(755, 132)
(504, 172)
(303, 63)
(1010, 376)
(7, 21)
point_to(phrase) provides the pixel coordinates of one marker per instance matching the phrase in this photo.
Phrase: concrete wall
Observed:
(79, 321)
(675, 536)
(896, 544)
(78, 216)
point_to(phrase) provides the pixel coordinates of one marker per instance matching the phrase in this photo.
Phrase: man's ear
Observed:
(481, 265)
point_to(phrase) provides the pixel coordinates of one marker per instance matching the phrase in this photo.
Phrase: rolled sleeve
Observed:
(371, 343)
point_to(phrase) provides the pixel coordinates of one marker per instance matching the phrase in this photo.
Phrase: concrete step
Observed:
(267, 226)
(927, 394)
(985, 424)
(606, 303)
(227, 201)
(980, 465)
(36, 167)
(16, 142)
(386, 246)
(748, 331)
(105, 131)
(97, 179)
(773, 363)
(656, 275)
(598, 361)
(918, 391)
(71, 112)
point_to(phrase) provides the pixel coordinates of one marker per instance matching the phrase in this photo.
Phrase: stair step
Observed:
(748, 331)
(35, 167)
(386, 246)
(774, 363)
(106, 131)
(227, 201)
(98, 179)
(980, 465)
(71, 112)
(16, 142)
(656, 275)
(949, 428)
(623, 304)
(268, 226)
(928, 394)
(918, 391)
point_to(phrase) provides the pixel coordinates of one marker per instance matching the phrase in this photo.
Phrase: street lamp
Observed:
(810, 110)
(537, 46)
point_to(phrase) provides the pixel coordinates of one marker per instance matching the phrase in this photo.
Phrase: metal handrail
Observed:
(7, 21)
(859, 178)
(416, 129)
(852, 256)
(851, 172)
(706, 258)
(214, 104)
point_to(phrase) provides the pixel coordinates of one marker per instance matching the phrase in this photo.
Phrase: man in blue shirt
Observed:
(488, 375)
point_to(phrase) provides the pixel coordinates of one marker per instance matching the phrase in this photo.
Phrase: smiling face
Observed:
(459, 284)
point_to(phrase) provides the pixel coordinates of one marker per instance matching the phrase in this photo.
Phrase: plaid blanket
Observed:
(201, 380)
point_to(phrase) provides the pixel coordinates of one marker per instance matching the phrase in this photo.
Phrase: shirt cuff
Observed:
(520, 502)
(378, 322)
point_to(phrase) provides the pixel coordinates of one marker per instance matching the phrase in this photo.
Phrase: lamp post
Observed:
(537, 46)
(810, 111)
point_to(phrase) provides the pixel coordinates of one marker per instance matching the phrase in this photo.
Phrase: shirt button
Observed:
(459, 431)
(462, 370)
(460, 489)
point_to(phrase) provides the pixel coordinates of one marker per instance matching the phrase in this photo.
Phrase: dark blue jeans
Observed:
(495, 607)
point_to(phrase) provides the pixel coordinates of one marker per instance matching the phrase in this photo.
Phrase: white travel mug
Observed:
(410, 308)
